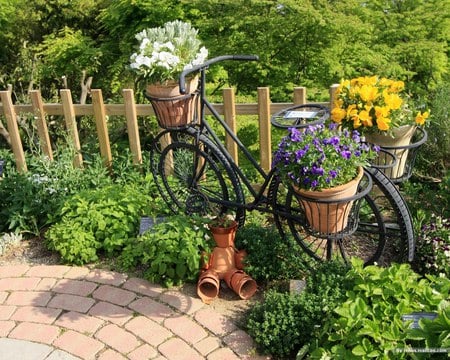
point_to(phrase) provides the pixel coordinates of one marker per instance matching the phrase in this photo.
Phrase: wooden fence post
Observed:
(299, 95)
(333, 89)
(102, 127)
(71, 125)
(41, 123)
(13, 129)
(132, 126)
(265, 138)
(229, 112)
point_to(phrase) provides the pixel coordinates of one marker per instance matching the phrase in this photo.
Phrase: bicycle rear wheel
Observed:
(194, 177)
(384, 234)
(366, 242)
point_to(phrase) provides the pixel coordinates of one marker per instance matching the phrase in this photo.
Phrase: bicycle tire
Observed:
(397, 217)
(290, 221)
(194, 177)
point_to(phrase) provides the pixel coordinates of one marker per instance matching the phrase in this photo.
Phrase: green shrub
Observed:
(95, 220)
(271, 257)
(283, 323)
(369, 324)
(170, 252)
(29, 201)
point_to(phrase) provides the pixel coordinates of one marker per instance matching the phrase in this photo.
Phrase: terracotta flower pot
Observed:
(329, 218)
(241, 283)
(239, 258)
(222, 260)
(224, 236)
(396, 145)
(208, 286)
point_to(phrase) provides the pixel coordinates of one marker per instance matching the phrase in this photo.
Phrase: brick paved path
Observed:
(97, 314)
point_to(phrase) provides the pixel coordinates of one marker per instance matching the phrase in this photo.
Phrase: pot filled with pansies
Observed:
(324, 166)
(163, 53)
(381, 110)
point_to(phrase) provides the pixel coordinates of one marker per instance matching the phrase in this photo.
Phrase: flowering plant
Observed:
(321, 157)
(433, 248)
(371, 103)
(164, 52)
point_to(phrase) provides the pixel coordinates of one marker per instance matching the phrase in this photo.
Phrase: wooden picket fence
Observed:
(131, 111)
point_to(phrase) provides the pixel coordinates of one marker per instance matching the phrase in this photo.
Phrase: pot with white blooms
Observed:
(164, 52)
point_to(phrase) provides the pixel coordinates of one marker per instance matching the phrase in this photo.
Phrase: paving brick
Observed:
(36, 298)
(207, 345)
(78, 344)
(36, 314)
(148, 330)
(40, 333)
(216, 323)
(187, 329)
(143, 287)
(6, 311)
(46, 284)
(143, 352)
(153, 309)
(77, 273)
(241, 343)
(110, 355)
(13, 270)
(5, 327)
(106, 277)
(51, 271)
(114, 295)
(182, 302)
(74, 287)
(71, 303)
(3, 296)
(17, 284)
(118, 338)
(110, 312)
(177, 349)
(222, 354)
(79, 322)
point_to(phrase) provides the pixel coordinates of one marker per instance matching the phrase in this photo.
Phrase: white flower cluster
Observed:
(164, 52)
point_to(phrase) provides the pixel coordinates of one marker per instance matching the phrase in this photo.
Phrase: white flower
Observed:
(164, 52)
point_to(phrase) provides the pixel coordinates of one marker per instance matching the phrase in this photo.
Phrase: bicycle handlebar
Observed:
(184, 73)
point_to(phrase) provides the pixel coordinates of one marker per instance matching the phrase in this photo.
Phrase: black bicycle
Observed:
(195, 174)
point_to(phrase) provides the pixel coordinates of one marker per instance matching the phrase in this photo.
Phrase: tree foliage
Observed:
(311, 43)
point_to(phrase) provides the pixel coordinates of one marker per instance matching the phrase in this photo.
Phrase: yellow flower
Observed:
(393, 101)
(365, 118)
(422, 117)
(337, 114)
(368, 93)
(383, 123)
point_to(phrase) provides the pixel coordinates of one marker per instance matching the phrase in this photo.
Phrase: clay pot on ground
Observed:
(241, 283)
(222, 260)
(239, 258)
(208, 286)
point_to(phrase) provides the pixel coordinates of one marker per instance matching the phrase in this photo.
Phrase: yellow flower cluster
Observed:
(372, 102)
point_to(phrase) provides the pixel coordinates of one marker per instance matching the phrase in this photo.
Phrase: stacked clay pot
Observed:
(225, 263)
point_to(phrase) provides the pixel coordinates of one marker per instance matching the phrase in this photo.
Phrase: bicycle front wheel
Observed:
(195, 178)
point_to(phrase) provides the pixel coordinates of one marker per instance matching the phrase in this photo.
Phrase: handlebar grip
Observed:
(182, 80)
